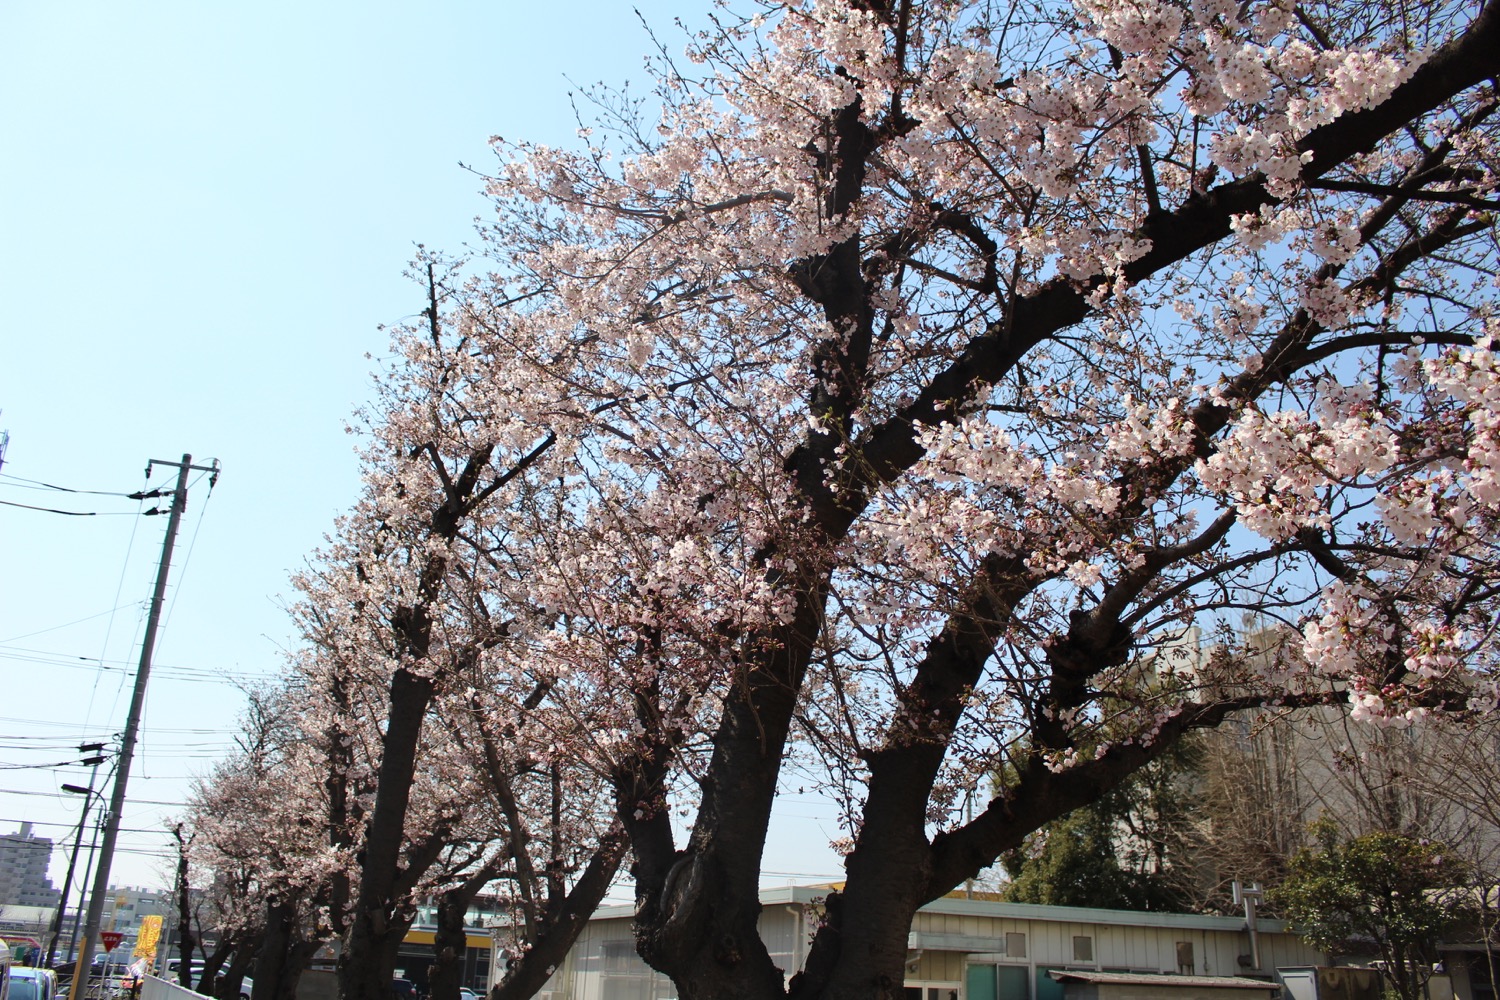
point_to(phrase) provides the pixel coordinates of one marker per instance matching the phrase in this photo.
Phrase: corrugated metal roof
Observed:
(1165, 979)
(956, 905)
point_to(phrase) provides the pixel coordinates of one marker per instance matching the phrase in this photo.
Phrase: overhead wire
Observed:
(28, 653)
(191, 749)
(166, 619)
(74, 825)
(173, 751)
(54, 628)
(52, 744)
(187, 675)
(178, 586)
(57, 763)
(60, 796)
(71, 513)
(192, 544)
(119, 589)
(195, 731)
(37, 483)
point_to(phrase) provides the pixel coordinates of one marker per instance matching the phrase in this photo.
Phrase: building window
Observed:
(1015, 945)
(1185, 957)
(1481, 982)
(1083, 948)
(931, 991)
(627, 977)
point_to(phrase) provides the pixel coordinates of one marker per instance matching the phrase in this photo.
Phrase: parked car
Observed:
(27, 983)
(195, 969)
(464, 993)
(404, 989)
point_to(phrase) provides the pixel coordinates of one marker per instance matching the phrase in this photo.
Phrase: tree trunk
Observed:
(231, 984)
(698, 909)
(284, 953)
(367, 964)
(209, 979)
(565, 920)
(186, 941)
(390, 946)
(449, 944)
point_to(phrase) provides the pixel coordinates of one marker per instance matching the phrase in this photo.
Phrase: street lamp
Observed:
(73, 945)
(88, 794)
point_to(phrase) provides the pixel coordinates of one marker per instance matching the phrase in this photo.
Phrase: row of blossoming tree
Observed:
(873, 402)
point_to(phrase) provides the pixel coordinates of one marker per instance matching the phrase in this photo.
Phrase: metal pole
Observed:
(1250, 897)
(132, 723)
(67, 886)
(88, 870)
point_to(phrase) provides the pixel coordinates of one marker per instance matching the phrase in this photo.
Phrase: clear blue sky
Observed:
(206, 211)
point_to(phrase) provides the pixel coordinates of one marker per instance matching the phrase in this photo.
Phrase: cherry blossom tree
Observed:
(402, 613)
(260, 853)
(882, 395)
(555, 847)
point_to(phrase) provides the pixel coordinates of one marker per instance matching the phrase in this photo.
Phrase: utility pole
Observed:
(88, 793)
(133, 719)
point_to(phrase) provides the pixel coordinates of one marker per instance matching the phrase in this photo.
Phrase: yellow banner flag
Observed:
(147, 936)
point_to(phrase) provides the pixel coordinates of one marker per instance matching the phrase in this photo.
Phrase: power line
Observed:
(109, 662)
(61, 742)
(44, 722)
(193, 541)
(21, 654)
(74, 824)
(67, 489)
(109, 628)
(59, 763)
(60, 796)
(79, 621)
(148, 729)
(55, 745)
(80, 513)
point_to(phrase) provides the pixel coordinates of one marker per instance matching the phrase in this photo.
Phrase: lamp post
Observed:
(87, 870)
(67, 887)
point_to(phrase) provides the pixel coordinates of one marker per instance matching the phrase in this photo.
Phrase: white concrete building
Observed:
(23, 870)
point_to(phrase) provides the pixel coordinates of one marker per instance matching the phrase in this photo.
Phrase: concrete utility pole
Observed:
(133, 720)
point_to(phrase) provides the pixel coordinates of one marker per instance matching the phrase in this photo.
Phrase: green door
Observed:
(996, 982)
(1047, 988)
(1012, 984)
(979, 983)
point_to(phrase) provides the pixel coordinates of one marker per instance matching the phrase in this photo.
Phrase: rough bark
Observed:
(367, 963)
(230, 985)
(284, 954)
(565, 919)
(186, 939)
(449, 943)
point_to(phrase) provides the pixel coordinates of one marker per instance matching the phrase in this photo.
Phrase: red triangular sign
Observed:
(110, 939)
